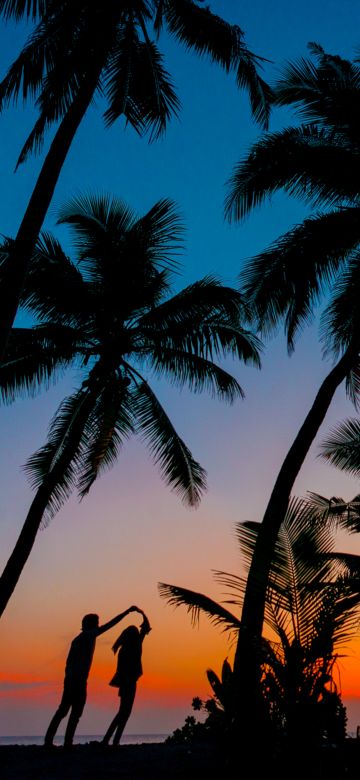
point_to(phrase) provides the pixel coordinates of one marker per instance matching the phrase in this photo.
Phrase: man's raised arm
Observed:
(115, 620)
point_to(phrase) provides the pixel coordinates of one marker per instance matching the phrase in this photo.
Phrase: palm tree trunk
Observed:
(13, 274)
(26, 539)
(247, 660)
(25, 542)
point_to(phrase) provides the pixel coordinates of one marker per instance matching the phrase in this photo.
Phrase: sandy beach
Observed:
(160, 761)
(92, 762)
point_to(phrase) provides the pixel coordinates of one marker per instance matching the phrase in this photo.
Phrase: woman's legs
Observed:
(106, 739)
(127, 700)
(118, 724)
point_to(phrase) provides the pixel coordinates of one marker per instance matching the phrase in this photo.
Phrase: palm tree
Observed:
(317, 161)
(312, 611)
(81, 49)
(110, 315)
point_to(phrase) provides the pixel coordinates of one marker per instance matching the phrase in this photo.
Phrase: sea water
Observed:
(83, 739)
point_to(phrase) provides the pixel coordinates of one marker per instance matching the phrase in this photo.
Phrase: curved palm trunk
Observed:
(26, 539)
(247, 661)
(13, 274)
(25, 542)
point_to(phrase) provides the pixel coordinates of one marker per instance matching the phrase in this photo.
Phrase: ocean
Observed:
(82, 739)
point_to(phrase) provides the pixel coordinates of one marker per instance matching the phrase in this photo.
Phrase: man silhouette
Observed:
(77, 670)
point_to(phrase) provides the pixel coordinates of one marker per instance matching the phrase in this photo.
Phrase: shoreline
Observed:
(80, 739)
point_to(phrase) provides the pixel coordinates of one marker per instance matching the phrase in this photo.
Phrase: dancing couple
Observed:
(129, 648)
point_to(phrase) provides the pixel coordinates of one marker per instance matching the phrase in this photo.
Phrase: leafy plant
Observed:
(312, 610)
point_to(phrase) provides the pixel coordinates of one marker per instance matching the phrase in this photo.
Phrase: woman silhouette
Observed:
(128, 671)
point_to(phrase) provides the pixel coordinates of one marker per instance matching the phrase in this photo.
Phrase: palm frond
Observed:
(202, 301)
(110, 424)
(348, 567)
(299, 565)
(260, 93)
(197, 603)
(199, 374)
(198, 28)
(306, 162)
(35, 139)
(337, 618)
(34, 359)
(353, 385)
(152, 93)
(17, 9)
(325, 91)
(118, 76)
(26, 74)
(97, 212)
(177, 465)
(340, 321)
(336, 511)
(104, 226)
(161, 232)
(342, 446)
(53, 468)
(288, 279)
(54, 288)
(137, 84)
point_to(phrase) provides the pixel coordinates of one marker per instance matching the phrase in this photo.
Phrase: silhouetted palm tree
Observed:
(312, 611)
(82, 49)
(110, 315)
(317, 161)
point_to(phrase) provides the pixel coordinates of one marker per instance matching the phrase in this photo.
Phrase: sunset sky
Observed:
(131, 532)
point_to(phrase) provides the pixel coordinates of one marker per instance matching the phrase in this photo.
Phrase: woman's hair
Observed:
(145, 627)
(128, 635)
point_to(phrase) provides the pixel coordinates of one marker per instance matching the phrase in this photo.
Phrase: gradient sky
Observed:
(131, 532)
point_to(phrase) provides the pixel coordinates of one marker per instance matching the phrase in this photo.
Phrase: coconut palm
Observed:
(312, 611)
(317, 161)
(109, 313)
(81, 50)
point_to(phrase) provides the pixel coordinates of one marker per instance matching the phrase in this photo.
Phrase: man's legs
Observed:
(78, 704)
(60, 713)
